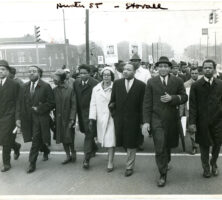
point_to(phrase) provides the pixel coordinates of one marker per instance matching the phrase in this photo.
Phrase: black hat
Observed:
(5, 64)
(120, 62)
(164, 59)
(135, 57)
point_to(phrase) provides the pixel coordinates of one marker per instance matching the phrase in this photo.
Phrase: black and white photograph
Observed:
(110, 99)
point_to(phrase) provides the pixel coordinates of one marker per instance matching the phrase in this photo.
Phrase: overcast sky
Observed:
(180, 26)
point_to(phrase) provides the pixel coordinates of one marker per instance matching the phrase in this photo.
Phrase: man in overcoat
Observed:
(126, 108)
(83, 90)
(205, 116)
(36, 102)
(163, 95)
(9, 91)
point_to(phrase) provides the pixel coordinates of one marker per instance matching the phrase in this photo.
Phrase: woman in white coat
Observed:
(100, 113)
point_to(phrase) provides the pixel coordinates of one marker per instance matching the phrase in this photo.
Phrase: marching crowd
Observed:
(118, 106)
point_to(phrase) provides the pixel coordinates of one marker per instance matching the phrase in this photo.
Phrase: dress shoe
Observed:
(46, 156)
(109, 169)
(162, 181)
(31, 168)
(85, 164)
(206, 174)
(67, 160)
(214, 170)
(128, 172)
(17, 152)
(6, 168)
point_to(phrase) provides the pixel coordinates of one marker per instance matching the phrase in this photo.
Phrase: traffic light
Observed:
(37, 33)
(211, 18)
(215, 18)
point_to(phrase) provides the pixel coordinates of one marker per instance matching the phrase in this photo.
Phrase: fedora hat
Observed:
(135, 57)
(5, 64)
(164, 59)
(120, 62)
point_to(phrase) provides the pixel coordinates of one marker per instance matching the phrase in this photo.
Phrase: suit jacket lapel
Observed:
(169, 84)
(160, 84)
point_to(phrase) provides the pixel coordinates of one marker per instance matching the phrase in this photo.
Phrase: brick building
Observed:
(21, 53)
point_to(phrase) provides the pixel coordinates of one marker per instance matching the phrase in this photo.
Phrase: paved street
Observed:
(52, 178)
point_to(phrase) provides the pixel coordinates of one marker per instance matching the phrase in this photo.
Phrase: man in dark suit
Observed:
(83, 89)
(36, 102)
(205, 116)
(9, 91)
(163, 95)
(126, 107)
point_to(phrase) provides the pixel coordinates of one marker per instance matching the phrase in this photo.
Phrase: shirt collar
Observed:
(207, 79)
(3, 80)
(35, 83)
(85, 82)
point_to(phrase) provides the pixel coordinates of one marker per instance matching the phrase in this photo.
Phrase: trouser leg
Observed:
(6, 151)
(15, 145)
(72, 144)
(162, 153)
(131, 157)
(66, 149)
(88, 145)
(36, 143)
(215, 153)
(204, 151)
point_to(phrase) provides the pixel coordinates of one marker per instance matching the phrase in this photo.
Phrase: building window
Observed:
(12, 58)
(62, 56)
(21, 57)
(56, 56)
(30, 58)
(1, 55)
(72, 54)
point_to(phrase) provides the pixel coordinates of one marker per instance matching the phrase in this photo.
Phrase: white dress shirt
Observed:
(3, 81)
(166, 79)
(207, 80)
(142, 74)
(35, 84)
(130, 82)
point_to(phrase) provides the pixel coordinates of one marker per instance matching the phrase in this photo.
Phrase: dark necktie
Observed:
(164, 82)
(32, 90)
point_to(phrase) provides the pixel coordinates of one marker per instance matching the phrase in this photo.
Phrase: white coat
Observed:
(99, 111)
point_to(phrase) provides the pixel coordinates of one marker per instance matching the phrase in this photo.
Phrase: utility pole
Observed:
(87, 37)
(37, 40)
(153, 53)
(215, 46)
(65, 40)
(207, 43)
(157, 49)
(200, 50)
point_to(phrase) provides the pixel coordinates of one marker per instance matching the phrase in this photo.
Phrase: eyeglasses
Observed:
(106, 75)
